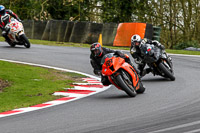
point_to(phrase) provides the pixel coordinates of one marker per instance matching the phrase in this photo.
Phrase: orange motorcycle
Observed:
(121, 74)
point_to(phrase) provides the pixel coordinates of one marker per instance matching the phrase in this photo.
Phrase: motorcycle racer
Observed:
(97, 52)
(5, 19)
(135, 50)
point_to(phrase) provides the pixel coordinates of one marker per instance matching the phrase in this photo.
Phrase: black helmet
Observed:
(2, 10)
(96, 49)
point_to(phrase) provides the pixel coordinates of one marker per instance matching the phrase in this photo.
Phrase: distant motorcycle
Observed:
(158, 61)
(16, 34)
(121, 74)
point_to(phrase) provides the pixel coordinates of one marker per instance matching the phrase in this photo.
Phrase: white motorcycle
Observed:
(16, 34)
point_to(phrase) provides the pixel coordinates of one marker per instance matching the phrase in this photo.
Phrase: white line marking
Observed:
(84, 88)
(177, 127)
(87, 83)
(193, 131)
(184, 55)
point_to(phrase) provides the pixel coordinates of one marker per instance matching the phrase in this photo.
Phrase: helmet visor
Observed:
(96, 51)
(136, 43)
(2, 12)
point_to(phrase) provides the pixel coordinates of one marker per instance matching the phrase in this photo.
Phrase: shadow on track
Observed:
(157, 79)
(16, 47)
(116, 94)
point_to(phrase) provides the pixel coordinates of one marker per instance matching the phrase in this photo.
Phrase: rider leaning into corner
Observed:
(135, 50)
(5, 19)
(97, 53)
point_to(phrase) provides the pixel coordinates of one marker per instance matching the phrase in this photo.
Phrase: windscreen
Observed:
(109, 55)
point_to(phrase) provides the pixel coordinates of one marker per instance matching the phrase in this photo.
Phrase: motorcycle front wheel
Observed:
(166, 71)
(25, 41)
(141, 89)
(124, 85)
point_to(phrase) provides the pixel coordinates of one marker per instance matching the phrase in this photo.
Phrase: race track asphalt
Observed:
(166, 106)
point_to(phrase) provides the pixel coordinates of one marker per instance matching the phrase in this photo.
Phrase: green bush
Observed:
(187, 44)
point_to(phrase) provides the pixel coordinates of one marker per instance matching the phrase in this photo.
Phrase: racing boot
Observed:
(7, 39)
(105, 81)
(145, 71)
(10, 42)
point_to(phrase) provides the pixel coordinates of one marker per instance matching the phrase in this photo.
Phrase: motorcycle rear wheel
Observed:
(25, 41)
(130, 91)
(166, 71)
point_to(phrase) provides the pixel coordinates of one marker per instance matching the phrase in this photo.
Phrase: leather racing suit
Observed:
(4, 20)
(136, 54)
(96, 63)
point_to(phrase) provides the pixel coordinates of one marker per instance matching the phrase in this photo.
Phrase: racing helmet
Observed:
(2, 10)
(96, 49)
(135, 40)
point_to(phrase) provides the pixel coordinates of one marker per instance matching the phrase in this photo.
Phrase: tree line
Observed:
(179, 19)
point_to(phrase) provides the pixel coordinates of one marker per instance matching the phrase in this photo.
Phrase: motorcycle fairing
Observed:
(112, 65)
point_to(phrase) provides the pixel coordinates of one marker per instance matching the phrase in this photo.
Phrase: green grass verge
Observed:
(30, 85)
(70, 44)
(187, 52)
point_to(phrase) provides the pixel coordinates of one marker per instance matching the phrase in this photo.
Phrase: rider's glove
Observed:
(162, 47)
(19, 20)
(144, 41)
(155, 42)
(120, 54)
(126, 56)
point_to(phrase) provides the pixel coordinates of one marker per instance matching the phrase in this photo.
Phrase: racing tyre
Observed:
(166, 71)
(25, 41)
(142, 88)
(130, 91)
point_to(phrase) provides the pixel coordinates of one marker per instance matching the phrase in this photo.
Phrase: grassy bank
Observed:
(183, 52)
(24, 85)
(70, 44)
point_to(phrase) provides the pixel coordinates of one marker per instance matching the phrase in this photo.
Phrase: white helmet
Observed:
(135, 39)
